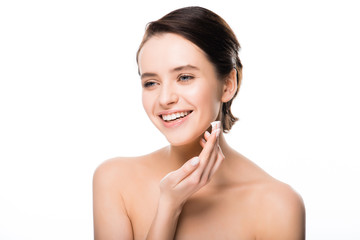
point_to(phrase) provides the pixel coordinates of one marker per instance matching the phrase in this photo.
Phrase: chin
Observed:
(186, 132)
(183, 140)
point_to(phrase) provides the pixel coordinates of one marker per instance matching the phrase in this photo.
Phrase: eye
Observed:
(149, 84)
(185, 78)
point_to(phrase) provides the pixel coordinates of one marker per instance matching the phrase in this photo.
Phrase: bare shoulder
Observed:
(113, 184)
(111, 169)
(124, 171)
(278, 196)
(278, 210)
(117, 170)
(281, 212)
(109, 174)
(272, 194)
(108, 201)
(112, 178)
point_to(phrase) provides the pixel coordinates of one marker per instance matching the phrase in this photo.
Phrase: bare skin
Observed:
(240, 202)
(168, 194)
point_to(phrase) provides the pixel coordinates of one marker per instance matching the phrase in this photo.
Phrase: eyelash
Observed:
(188, 78)
(180, 78)
(149, 84)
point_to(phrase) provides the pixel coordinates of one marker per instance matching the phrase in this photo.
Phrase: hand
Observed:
(179, 185)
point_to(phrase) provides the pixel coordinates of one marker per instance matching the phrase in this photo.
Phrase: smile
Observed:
(174, 116)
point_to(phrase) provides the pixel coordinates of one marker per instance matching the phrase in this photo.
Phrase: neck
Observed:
(180, 154)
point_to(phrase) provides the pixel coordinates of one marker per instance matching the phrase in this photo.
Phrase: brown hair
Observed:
(210, 33)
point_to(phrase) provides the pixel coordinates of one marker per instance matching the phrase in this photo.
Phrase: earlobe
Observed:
(230, 86)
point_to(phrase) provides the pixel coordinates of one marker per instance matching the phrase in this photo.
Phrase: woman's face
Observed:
(181, 93)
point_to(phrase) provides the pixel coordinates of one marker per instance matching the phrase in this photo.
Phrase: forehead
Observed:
(168, 51)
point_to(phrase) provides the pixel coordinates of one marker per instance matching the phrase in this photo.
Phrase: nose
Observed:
(168, 95)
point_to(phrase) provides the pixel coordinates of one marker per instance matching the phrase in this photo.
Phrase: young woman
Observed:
(198, 187)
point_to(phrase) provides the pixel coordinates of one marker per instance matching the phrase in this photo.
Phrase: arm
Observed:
(110, 217)
(178, 186)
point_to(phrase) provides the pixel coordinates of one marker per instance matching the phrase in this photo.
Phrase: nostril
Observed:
(168, 99)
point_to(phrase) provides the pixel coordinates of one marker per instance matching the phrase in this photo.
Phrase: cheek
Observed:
(205, 97)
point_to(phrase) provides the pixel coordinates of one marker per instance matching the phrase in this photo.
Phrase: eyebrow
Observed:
(177, 69)
(185, 67)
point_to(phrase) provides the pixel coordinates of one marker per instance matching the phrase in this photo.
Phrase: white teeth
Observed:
(174, 116)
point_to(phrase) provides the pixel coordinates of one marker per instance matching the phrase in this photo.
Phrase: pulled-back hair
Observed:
(212, 35)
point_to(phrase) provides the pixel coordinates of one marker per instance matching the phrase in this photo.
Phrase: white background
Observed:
(70, 98)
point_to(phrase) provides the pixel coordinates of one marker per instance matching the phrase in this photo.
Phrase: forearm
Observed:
(165, 222)
(179, 185)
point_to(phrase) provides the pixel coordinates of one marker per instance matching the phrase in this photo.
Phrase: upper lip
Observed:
(172, 111)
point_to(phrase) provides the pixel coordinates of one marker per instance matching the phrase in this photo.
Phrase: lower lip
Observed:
(176, 122)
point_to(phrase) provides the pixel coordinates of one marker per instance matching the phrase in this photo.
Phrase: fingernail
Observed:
(195, 161)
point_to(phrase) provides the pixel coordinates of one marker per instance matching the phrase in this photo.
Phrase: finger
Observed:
(166, 176)
(207, 156)
(205, 177)
(208, 148)
(212, 158)
(207, 135)
(216, 126)
(217, 163)
(202, 142)
(178, 175)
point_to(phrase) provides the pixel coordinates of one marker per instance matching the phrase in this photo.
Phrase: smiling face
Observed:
(181, 93)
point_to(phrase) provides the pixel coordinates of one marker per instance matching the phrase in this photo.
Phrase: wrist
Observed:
(171, 207)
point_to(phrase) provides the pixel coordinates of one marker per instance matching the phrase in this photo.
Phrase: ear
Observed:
(230, 86)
